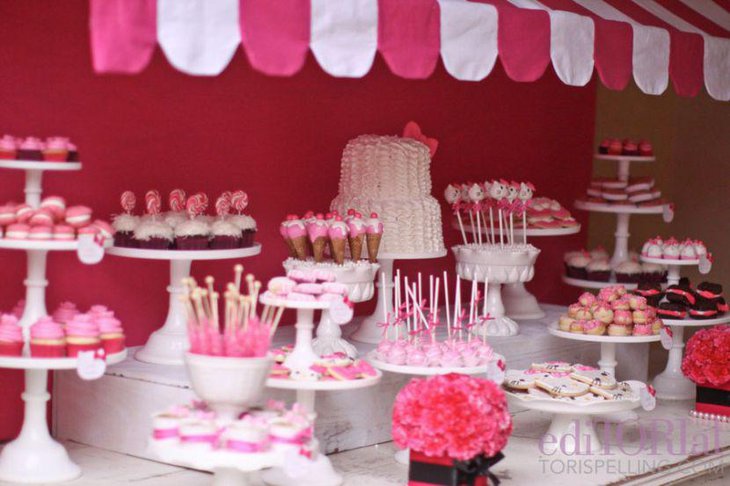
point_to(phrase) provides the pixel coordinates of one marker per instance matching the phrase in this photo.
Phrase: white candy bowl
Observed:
(496, 265)
(228, 385)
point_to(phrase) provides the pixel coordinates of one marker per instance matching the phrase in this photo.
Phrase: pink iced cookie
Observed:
(309, 288)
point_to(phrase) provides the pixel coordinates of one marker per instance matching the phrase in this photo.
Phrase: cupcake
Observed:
(153, 234)
(652, 272)
(47, 339)
(628, 272)
(174, 218)
(111, 334)
(8, 148)
(250, 434)
(55, 149)
(124, 225)
(575, 266)
(65, 312)
(248, 228)
(599, 253)
(192, 234)
(598, 270)
(225, 235)
(30, 149)
(11, 336)
(82, 334)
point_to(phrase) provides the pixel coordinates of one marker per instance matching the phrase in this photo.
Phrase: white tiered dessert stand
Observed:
(34, 457)
(671, 384)
(167, 345)
(359, 281)
(320, 470)
(368, 331)
(497, 270)
(403, 455)
(571, 430)
(519, 304)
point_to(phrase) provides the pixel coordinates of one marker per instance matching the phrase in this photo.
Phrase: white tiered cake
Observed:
(391, 176)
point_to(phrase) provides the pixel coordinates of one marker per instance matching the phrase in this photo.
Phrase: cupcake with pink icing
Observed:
(374, 233)
(65, 312)
(11, 336)
(31, 148)
(55, 149)
(82, 334)
(338, 233)
(47, 339)
(111, 334)
(8, 148)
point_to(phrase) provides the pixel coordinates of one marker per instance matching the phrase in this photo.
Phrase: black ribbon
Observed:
(470, 470)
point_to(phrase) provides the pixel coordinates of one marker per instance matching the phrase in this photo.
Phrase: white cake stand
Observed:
(595, 284)
(498, 272)
(228, 468)
(320, 470)
(519, 304)
(368, 331)
(671, 384)
(607, 361)
(623, 213)
(359, 281)
(167, 344)
(572, 424)
(34, 457)
(403, 455)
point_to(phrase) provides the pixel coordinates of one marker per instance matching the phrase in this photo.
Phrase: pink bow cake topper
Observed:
(177, 200)
(128, 201)
(153, 202)
(239, 201)
(412, 130)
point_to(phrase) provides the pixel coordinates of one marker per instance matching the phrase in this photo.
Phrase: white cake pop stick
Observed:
(436, 300)
(420, 286)
(446, 298)
(408, 307)
(457, 303)
(385, 307)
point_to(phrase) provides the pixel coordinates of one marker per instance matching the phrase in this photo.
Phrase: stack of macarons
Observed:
(52, 220)
(637, 191)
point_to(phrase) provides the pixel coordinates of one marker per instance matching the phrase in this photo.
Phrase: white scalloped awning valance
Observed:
(651, 41)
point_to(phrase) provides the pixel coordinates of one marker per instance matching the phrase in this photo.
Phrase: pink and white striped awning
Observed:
(651, 41)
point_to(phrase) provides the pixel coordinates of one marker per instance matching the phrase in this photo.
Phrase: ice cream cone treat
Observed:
(297, 233)
(284, 232)
(356, 236)
(318, 236)
(374, 233)
(337, 233)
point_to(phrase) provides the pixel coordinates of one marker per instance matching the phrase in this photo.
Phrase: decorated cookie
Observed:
(521, 380)
(562, 386)
(552, 366)
(598, 378)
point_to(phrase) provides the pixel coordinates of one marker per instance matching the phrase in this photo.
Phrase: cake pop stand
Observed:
(671, 384)
(228, 468)
(519, 304)
(359, 281)
(607, 362)
(368, 331)
(34, 457)
(402, 456)
(497, 271)
(167, 345)
(623, 213)
(320, 470)
(34, 175)
(572, 424)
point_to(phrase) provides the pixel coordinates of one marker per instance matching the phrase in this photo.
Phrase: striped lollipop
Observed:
(177, 200)
(129, 201)
(153, 202)
(222, 206)
(239, 201)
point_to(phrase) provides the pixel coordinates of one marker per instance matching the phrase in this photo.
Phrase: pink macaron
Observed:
(40, 233)
(7, 215)
(78, 216)
(42, 217)
(23, 212)
(63, 232)
(105, 229)
(88, 230)
(55, 204)
(17, 231)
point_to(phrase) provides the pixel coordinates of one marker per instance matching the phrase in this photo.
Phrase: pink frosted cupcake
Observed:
(8, 148)
(56, 149)
(65, 312)
(30, 149)
(11, 336)
(82, 334)
(47, 339)
(111, 334)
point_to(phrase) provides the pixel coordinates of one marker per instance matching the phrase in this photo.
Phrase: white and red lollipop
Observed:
(239, 201)
(177, 200)
(194, 206)
(153, 202)
(128, 201)
(222, 206)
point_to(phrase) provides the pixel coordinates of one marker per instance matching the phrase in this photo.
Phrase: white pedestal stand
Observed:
(34, 175)
(359, 281)
(572, 428)
(369, 332)
(34, 457)
(671, 384)
(474, 264)
(320, 470)
(519, 304)
(403, 455)
(168, 344)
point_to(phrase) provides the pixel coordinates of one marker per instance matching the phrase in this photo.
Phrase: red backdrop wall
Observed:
(278, 139)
